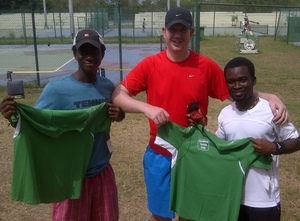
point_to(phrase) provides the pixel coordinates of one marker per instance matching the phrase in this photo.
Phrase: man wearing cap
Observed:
(172, 79)
(83, 89)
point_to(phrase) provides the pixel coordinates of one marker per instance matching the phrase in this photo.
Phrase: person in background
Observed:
(246, 25)
(173, 79)
(82, 89)
(144, 24)
(251, 116)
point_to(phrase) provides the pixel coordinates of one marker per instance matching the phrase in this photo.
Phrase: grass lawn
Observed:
(277, 70)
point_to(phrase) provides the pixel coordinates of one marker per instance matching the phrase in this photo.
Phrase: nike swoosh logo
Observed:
(177, 15)
(191, 75)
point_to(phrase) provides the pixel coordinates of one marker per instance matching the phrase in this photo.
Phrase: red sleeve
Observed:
(218, 88)
(136, 80)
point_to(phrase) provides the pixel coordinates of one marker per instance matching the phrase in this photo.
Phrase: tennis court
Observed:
(56, 61)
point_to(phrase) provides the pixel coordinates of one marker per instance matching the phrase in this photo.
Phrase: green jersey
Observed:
(207, 172)
(52, 149)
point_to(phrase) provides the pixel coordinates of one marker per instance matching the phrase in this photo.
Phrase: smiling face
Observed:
(89, 59)
(177, 38)
(239, 83)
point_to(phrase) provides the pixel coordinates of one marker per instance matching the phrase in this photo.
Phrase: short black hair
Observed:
(241, 61)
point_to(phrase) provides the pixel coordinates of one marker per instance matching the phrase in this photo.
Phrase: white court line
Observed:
(64, 64)
(3, 52)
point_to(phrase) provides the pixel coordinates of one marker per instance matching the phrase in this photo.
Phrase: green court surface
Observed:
(56, 61)
(22, 59)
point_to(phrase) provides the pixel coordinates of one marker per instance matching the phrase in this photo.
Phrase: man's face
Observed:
(239, 83)
(178, 37)
(89, 58)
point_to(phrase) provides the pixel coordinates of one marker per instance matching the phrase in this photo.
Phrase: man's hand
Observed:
(157, 114)
(279, 110)
(263, 146)
(195, 117)
(115, 112)
(8, 107)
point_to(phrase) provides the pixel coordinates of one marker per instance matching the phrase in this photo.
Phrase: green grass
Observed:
(277, 70)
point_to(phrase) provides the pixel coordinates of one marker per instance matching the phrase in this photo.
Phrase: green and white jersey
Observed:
(52, 150)
(207, 172)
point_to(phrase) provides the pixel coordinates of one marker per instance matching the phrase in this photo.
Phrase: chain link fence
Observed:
(43, 49)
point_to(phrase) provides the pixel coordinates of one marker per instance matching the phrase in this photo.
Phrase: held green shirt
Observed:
(52, 149)
(207, 172)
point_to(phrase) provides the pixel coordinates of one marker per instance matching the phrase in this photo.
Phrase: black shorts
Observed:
(259, 214)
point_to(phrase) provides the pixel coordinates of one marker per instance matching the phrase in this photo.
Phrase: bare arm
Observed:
(254, 22)
(122, 98)
(265, 147)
